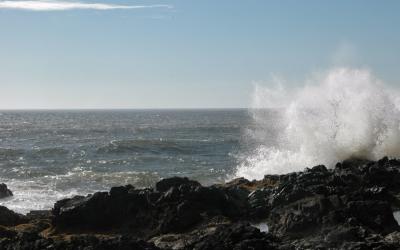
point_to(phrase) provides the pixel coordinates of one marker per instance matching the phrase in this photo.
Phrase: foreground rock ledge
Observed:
(348, 207)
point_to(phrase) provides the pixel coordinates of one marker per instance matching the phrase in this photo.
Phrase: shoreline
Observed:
(348, 207)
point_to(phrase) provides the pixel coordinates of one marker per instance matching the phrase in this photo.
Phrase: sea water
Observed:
(48, 155)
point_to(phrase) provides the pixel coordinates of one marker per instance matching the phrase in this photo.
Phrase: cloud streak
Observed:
(48, 5)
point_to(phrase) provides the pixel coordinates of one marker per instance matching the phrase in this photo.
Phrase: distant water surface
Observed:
(49, 155)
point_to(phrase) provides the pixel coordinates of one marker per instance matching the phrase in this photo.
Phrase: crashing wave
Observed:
(347, 113)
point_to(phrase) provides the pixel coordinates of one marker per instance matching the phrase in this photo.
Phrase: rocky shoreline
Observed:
(348, 207)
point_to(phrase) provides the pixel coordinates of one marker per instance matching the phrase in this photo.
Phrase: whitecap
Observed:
(343, 114)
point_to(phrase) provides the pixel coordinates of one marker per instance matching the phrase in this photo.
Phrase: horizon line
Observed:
(105, 109)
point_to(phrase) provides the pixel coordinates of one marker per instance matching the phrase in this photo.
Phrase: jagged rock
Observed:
(177, 205)
(374, 215)
(393, 237)
(239, 236)
(167, 183)
(184, 240)
(33, 241)
(38, 214)
(339, 206)
(4, 191)
(10, 218)
(258, 202)
(347, 207)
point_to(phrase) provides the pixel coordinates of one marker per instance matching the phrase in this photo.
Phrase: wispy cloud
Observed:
(55, 5)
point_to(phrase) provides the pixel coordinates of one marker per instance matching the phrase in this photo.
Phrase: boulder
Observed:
(10, 218)
(4, 191)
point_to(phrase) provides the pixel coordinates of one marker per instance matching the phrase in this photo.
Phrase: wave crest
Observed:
(347, 113)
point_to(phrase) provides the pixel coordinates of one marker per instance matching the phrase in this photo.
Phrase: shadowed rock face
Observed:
(34, 241)
(177, 205)
(10, 218)
(4, 191)
(348, 207)
(354, 193)
(236, 236)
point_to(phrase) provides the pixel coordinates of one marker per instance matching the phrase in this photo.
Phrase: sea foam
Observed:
(344, 113)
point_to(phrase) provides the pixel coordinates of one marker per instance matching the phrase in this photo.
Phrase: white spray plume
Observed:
(347, 113)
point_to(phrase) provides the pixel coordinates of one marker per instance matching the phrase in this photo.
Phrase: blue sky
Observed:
(183, 54)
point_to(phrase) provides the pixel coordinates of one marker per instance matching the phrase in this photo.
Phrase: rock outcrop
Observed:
(10, 218)
(4, 191)
(176, 205)
(347, 207)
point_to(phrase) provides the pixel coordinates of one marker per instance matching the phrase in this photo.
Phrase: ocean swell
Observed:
(161, 146)
(141, 146)
(346, 113)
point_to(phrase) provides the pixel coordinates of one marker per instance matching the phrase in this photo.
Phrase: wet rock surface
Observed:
(347, 207)
(4, 191)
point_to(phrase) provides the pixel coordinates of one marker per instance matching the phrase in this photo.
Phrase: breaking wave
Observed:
(344, 113)
(41, 192)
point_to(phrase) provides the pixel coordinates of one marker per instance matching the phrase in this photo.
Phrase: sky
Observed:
(183, 54)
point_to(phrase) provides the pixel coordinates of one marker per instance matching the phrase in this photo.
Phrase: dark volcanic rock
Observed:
(4, 191)
(32, 241)
(347, 207)
(319, 207)
(10, 218)
(168, 183)
(239, 236)
(178, 205)
(39, 214)
(346, 204)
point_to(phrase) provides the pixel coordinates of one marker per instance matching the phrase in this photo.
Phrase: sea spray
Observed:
(346, 113)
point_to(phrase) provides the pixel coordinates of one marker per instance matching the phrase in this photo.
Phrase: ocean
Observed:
(48, 155)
